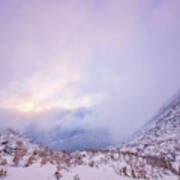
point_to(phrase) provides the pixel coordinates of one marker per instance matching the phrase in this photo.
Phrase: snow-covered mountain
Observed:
(152, 154)
(161, 135)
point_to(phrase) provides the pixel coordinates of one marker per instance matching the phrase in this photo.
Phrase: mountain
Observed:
(161, 135)
(71, 139)
(68, 134)
(152, 154)
(9, 139)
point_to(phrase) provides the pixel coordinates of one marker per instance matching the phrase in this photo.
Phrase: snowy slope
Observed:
(162, 134)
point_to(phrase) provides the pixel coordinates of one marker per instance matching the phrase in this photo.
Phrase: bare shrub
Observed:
(44, 152)
(133, 173)
(76, 177)
(35, 152)
(19, 153)
(91, 164)
(78, 158)
(44, 160)
(124, 171)
(3, 162)
(3, 173)
(30, 161)
(58, 175)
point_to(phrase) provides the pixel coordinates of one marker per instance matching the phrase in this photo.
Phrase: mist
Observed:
(75, 70)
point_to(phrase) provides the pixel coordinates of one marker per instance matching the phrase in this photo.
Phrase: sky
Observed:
(115, 61)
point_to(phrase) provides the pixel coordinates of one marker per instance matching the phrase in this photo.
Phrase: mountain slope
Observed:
(161, 135)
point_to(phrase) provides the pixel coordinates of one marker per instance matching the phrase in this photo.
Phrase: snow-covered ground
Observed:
(35, 172)
(31, 173)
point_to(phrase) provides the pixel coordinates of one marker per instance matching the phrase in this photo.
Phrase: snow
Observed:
(87, 173)
(34, 172)
(170, 178)
(46, 172)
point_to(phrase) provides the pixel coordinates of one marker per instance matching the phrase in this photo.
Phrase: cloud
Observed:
(165, 16)
(119, 58)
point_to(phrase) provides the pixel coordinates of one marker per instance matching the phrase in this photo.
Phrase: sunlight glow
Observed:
(35, 105)
(31, 106)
